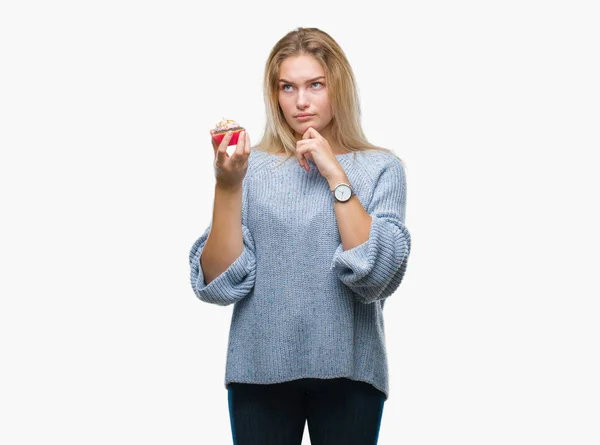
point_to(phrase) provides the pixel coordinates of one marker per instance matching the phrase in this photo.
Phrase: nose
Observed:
(302, 101)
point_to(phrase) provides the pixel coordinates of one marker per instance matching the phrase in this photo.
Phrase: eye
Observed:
(285, 85)
(321, 83)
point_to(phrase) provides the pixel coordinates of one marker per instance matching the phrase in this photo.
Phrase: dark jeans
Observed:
(339, 412)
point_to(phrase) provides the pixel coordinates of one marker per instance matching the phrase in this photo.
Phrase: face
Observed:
(302, 90)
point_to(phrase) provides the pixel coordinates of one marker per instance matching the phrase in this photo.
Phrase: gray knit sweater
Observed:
(304, 307)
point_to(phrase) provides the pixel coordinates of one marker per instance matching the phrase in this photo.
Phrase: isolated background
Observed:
(106, 181)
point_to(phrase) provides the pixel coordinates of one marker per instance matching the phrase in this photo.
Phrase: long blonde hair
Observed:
(346, 129)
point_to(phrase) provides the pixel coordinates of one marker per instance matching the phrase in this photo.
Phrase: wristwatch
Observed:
(342, 192)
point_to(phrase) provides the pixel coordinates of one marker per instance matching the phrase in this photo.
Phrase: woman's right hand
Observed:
(231, 170)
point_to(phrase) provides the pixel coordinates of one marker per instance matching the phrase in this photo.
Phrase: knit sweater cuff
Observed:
(374, 269)
(234, 283)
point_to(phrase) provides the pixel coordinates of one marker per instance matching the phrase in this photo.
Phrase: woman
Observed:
(308, 251)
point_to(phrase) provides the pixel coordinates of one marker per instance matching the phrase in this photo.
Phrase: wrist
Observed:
(228, 189)
(336, 179)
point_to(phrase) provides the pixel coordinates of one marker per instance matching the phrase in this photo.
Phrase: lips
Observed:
(300, 116)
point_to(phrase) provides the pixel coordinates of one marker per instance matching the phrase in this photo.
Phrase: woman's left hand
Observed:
(315, 147)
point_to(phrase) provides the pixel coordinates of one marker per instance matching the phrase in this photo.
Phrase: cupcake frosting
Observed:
(226, 124)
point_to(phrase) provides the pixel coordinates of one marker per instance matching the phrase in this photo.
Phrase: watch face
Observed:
(343, 193)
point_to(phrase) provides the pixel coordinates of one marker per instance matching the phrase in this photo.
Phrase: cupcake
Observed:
(223, 127)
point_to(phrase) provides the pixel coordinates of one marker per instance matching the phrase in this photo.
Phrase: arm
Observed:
(374, 268)
(225, 243)
(354, 223)
(222, 260)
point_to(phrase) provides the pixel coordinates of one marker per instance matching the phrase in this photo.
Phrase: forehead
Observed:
(300, 68)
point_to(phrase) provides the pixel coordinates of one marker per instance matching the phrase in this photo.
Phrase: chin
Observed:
(304, 126)
(301, 127)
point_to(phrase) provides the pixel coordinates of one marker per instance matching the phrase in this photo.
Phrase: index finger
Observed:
(302, 160)
(221, 153)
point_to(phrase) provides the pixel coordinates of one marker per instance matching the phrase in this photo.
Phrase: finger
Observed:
(302, 160)
(299, 157)
(222, 151)
(225, 141)
(213, 142)
(308, 133)
(248, 146)
(241, 143)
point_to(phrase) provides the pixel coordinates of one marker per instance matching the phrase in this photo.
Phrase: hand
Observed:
(231, 170)
(315, 147)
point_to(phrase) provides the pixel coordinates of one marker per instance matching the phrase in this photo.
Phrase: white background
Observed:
(107, 180)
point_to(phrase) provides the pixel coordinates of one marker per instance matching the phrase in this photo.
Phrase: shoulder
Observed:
(388, 181)
(375, 165)
(257, 161)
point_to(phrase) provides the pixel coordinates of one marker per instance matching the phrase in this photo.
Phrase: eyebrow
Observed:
(308, 81)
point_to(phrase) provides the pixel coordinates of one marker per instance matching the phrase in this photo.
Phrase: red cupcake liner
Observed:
(234, 137)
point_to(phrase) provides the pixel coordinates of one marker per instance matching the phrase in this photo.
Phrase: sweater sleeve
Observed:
(231, 285)
(374, 269)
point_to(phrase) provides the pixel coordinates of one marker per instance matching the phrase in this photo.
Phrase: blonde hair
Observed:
(346, 130)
